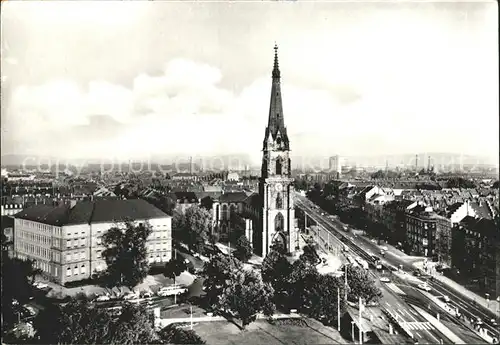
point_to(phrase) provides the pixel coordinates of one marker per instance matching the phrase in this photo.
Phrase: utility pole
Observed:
(345, 279)
(360, 329)
(338, 309)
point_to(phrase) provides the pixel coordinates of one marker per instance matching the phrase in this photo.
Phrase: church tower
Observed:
(276, 182)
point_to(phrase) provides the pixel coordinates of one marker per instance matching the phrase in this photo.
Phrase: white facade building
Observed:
(66, 241)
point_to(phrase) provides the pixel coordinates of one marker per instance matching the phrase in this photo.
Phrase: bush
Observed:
(79, 283)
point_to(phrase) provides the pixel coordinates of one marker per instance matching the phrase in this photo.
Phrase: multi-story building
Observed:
(478, 238)
(336, 163)
(421, 230)
(66, 240)
(444, 225)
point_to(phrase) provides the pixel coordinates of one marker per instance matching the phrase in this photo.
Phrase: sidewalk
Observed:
(493, 304)
(439, 326)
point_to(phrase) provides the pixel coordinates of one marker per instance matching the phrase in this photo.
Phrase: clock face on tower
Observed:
(279, 187)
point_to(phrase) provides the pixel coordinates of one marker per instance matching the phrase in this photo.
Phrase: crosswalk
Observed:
(419, 325)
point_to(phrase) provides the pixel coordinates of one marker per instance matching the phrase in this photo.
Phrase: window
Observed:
(68, 257)
(279, 201)
(75, 270)
(68, 243)
(68, 272)
(99, 240)
(278, 166)
(82, 269)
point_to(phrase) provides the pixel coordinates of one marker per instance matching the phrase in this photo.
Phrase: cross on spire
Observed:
(276, 69)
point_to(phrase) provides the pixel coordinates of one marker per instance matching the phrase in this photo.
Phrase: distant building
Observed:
(233, 176)
(336, 163)
(185, 177)
(66, 240)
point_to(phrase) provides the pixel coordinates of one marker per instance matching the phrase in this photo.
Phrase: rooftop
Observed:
(87, 212)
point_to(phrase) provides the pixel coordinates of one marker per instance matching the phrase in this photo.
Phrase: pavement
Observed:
(439, 326)
(492, 306)
(424, 331)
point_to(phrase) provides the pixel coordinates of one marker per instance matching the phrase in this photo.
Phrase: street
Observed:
(424, 332)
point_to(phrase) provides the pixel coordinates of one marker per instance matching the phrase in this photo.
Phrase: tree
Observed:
(361, 285)
(174, 268)
(126, 254)
(310, 256)
(198, 225)
(324, 307)
(378, 175)
(79, 322)
(218, 273)
(179, 226)
(276, 270)
(460, 182)
(207, 203)
(172, 334)
(17, 279)
(246, 295)
(302, 285)
(244, 249)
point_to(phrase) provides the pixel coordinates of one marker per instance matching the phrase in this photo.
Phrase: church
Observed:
(268, 216)
(276, 183)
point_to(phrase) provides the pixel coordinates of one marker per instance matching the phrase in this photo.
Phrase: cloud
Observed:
(184, 110)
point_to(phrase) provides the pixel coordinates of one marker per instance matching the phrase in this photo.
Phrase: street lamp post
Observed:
(487, 300)
(352, 331)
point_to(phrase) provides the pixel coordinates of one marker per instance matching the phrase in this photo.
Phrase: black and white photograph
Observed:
(250, 172)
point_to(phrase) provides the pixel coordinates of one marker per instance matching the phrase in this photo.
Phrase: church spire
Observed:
(276, 123)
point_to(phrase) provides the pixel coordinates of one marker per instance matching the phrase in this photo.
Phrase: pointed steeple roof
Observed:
(276, 121)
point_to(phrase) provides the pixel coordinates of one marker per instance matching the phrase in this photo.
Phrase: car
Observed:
(385, 248)
(40, 285)
(424, 287)
(172, 290)
(417, 273)
(30, 310)
(102, 298)
(382, 252)
(494, 322)
(385, 280)
(373, 240)
(146, 294)
(446, 298)
(130, 295)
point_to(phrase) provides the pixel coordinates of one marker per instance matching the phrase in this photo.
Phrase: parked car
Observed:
(424, 287)
(385, 248)
(172, 290)
(446, 299)
(30, 310)
(102, 298)
(417, 273)
(146, 294)
(130, 295)
(385, 280)
(40, 285)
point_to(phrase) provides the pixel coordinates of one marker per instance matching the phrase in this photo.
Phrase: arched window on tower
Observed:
(279, 201)
(225, 212)
(279, 166)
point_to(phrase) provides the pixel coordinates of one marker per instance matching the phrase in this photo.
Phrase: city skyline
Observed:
(163, 78)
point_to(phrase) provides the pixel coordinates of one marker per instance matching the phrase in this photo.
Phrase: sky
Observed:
(140, 79)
